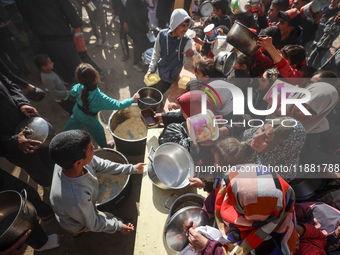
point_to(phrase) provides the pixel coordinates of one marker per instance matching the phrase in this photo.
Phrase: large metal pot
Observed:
(113, 189)
(125, 140)
(17, 215)
(39, 130)
(243, 39)
(150, 98)
(188, 199)
(225, 62)
(176, 228)
(170, 166)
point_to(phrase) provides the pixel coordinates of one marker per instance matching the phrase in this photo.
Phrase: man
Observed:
(16, 148)
(51, 22)
(289, 24)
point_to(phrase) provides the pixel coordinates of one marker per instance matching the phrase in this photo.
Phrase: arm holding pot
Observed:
(17, 248)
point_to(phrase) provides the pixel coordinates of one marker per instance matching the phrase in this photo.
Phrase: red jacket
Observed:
(313, 242)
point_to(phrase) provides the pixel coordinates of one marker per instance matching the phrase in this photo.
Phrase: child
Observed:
(53, 83)
(220, 8)
(74, 188)
(90, 100)
(289, 62)
(172, 50)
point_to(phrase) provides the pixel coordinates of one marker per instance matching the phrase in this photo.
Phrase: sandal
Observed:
(53, 241)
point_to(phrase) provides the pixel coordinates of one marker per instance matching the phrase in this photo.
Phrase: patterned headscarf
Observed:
(256, 207)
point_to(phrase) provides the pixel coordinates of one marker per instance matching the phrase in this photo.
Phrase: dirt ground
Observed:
(121, 82)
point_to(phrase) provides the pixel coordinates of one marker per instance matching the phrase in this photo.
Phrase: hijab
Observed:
(323, 99)
(256, 206)
(191, 102)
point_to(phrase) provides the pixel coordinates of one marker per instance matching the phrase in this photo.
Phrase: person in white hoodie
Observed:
(172, 50)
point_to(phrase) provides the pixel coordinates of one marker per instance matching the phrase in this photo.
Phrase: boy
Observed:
(74, 188)
(220, 8)
(172, 50)
(53, 82)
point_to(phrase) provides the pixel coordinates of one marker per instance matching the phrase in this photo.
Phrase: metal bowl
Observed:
(225, 62)
(243, 39)
(150, 98)
(39, 130)
(171, 165)
(176, 228)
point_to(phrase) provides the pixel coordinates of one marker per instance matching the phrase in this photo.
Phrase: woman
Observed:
(251, 218)
(324, 98)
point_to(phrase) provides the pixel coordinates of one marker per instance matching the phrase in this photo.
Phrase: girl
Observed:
(90, 100)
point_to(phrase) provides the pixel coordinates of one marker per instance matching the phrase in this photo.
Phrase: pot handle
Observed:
(24, 194)
(168, 199)
(150, 151)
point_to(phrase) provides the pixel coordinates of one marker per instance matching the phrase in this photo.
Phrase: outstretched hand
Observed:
(196, 182)
(188, 53)
(140, 168)
(135, 97)
(127, 228)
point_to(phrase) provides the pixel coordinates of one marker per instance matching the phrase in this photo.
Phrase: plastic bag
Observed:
(175, 133)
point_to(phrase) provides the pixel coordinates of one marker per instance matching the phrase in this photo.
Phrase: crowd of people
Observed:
(257, 214)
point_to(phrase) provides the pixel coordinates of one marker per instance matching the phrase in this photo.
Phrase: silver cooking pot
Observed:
(188, 199)
(206, 8)
(150, 98)
(176, 228)
(38, 129)
(225, 62)
(113, 189)
(17, 215)
(170, 166)
(243, 39)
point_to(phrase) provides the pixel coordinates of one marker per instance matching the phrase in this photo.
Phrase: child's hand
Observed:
(188, 53)
(127, 229)
(337, 231)
(198, 41)
(265, 42)
(147, 74)
(173, 106)
(196, 183)
(140, 168)
(135, 97)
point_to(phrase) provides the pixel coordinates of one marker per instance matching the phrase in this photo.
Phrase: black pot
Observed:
(17, 215)
(150, 98)
(121, 183)
(127, 146)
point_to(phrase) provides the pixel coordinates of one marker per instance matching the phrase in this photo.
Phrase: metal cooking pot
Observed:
(17, 215)
(243, 39)
(225, 62)
(170, 166)
(128, 146)
(206, 8)
(188, 199)
(150, 98)
(113, 189)
(305, 187)
(176, 228)
(39, 130)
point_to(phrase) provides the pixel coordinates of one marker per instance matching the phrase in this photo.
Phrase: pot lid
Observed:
(206, 8)
(178, 225)
(38, 128)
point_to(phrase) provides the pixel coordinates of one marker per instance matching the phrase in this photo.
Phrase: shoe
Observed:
(138, 68)
(99, 42)
(125, 58)
(107, 45)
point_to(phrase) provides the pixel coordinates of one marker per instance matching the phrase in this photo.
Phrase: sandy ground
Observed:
(121, 82)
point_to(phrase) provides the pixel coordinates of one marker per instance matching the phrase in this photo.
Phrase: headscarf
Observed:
(191, 102)
(255, 210)
(324, 97)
